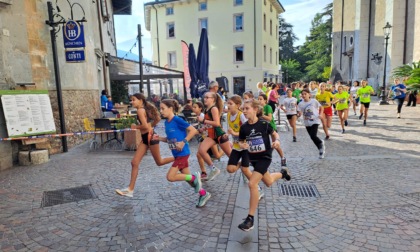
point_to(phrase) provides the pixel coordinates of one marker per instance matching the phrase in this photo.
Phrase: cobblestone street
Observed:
(368, 184)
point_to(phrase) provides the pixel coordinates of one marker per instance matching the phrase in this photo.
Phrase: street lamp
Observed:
(387, 32)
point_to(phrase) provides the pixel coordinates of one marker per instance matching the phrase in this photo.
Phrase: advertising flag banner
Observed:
(187, 77)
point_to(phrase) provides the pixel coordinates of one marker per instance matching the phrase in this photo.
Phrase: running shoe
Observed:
(355, 113)
(360, 116)
(283, 162)
(261, 193)
(203, 176)
(244, 178)
(294, 139)
(327, 137)
(322, 150)
(364, 122)
(202, 200)
(214, 172)
(342, 131)
(247, 225)
(286, 174)
(124, 192)
(346, 123)
(197, 182)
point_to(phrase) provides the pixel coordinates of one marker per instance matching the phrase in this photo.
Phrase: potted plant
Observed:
(131, 138)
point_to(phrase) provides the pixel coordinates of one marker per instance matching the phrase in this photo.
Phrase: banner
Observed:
(187, 77)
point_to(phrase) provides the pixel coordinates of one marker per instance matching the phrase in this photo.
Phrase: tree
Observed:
(286, 39)
(291, 70)
(411, 72)
(317, 46)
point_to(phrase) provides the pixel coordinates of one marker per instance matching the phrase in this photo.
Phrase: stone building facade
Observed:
(358, 38)
(26, 57)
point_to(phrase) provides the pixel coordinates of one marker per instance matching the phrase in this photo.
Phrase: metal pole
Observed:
(57, 77)
(383, 96)
(140, 59)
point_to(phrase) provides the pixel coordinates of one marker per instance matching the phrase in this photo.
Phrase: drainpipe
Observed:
(369, 28)
(342, 27)
(405, 32)
(157, 35)
(102, 44)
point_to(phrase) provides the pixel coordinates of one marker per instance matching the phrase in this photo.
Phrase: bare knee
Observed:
(231, 168)
(170, 178)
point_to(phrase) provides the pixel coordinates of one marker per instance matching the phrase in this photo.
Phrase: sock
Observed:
(211, 166)
(251, 217)
(203, 173)
(189, 177)
(202, 192)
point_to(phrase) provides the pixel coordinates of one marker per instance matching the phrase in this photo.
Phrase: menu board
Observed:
(28, 114)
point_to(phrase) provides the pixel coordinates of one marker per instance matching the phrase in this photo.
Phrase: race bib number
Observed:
(256, 145)
(365, 95)
(323, 103)
(235, 139)
(172, 143)
(342, 101)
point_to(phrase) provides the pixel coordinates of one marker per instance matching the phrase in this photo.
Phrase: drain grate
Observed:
(407, 213)
(414, 196)
(296, 190)
(75, 194)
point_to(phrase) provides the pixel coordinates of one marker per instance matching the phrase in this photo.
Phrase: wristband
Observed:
(185, 140)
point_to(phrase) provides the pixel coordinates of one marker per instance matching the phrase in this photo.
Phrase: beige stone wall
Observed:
(416, 47)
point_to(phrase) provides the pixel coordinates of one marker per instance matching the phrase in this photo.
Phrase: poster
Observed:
(28, 114)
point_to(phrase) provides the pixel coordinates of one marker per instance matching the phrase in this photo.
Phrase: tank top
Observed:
(212, 132)
(235, 126)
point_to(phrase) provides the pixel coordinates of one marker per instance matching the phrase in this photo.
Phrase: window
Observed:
(239, 53)
(169, 10)
(239, 85)
(271, 8)
(264, 22)
(271, 56)
(237, 2)
(170, 30)
(265, 2)
(345, 44)
(271, 27)
(239, 22)
(172, 59)
(202, 6)
(202, 23)
(265, 53)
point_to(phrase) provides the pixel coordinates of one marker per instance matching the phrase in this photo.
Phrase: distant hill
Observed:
(131, 56)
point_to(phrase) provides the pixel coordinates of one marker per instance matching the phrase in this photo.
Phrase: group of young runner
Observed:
(250, 137)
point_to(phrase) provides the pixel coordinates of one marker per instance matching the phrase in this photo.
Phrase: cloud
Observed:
(300, 14)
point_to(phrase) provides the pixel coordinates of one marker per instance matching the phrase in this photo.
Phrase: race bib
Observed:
(342, 101)
(323, 103)
(172, 143)
(256, 145)
(365, 95)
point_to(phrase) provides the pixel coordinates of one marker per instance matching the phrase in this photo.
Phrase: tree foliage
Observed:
(290, 68)
(286, 40)
(317, 47)
(411, 72)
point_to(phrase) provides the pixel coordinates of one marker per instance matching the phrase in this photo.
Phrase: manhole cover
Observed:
(415, 196)
(408, 213)
(52, 198)
(297, 190)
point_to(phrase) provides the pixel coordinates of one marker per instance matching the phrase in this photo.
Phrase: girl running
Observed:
(353, 93)
(176, 130)
(364, 94)
(312, 112)
(147, 117)
(268, 116)
(341, 100)
(215, 133)
(324, 97)
(198, 110)
(289, 106)
(254, 136)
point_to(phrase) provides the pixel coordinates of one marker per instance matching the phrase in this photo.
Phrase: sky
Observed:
(299, 13)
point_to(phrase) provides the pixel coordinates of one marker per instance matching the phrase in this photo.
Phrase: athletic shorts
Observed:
(357, 100)
(181, 162)
(221, 139)
(236, 155)
(261, 166)
(366, 104)
(147, 139)
(290, 116)
(328, 111)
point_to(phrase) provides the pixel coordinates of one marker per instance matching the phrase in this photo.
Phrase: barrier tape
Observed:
(66, 134)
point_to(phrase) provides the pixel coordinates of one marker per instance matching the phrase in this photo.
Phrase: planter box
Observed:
(132, 139)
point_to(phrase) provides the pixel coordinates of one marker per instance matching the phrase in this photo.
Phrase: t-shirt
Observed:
(234, 123)
(398, 94)
(310, 112)
(325, 99)
(353, 91)
(176, 131)
(343, 99)
(269, 110)
(290, 105)
(296, 94)
(258, 138)
(364, 93)
(104, 100)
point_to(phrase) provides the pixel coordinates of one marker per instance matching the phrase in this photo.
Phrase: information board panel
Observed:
(27, 114)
